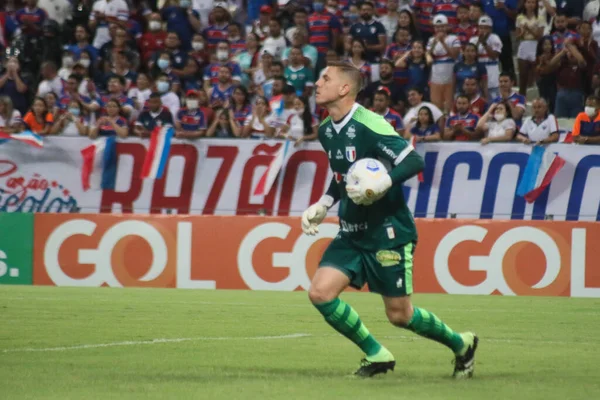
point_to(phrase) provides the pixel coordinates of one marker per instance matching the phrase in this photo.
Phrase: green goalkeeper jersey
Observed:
(388, 222)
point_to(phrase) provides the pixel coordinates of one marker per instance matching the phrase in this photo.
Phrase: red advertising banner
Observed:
(546, 258)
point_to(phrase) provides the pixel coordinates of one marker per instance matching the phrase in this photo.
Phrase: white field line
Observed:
(153, 341)
(411, 338)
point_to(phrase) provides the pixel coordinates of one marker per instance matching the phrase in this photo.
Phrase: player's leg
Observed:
(340, 267)
(393, 280)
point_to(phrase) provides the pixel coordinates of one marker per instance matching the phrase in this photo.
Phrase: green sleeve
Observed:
(332, 195)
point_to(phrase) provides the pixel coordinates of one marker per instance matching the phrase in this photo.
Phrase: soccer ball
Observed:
(365, 173)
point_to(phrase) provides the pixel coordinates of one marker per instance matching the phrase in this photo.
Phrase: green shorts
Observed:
(387, 272)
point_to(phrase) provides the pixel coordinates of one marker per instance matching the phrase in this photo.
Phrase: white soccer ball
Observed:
(365, 173)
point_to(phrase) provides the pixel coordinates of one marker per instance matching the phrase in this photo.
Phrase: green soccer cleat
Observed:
(464, 363)
(369, 369)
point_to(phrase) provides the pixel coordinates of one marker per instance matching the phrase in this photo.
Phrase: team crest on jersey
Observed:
(350, 153)
(329, 133)
(351, 132)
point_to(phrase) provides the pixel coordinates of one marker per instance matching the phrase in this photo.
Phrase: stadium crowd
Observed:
(435, 69)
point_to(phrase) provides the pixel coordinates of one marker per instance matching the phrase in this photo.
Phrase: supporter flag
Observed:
(99, 170)
(420, 149)
(26, 137)
(541, 168)
(268, 177)
(158, 152)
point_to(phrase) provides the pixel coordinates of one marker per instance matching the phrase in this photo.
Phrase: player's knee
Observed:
(399, 316)
(318, 295)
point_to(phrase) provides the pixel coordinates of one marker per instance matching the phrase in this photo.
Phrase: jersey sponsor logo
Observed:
(329, 134)
(351, 132)
(351, 153)
(388, 151)
(388, 258)
(339, 155)
(352, 228)
(399, 283)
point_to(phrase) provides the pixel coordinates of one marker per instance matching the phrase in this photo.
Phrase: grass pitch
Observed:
(72, 343)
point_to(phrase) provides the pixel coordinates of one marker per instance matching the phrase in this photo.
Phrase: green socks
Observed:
(345, 320)
(430, 326)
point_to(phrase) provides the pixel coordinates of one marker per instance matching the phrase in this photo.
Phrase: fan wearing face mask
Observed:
(153, 39)
(586, 129)
(181, 19)
(191, 122)
(497, 124)
(211, 72)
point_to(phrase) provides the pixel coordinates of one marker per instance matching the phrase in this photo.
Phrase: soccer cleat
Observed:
(369, 369)
(464, 364)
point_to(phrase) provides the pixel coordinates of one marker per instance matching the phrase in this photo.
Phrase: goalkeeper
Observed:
(376, 242)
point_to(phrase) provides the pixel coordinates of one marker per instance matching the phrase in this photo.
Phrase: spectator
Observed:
(417, 63)
(275, 41)
(324, 32)
(191, 121)
(358, 59)
(38, 119)
(110, 49)
(309, 52)
(116, 85)
(153, 40)
(224, 125)
(57, 10)
(302, 125)
(84, 68)
(395, 51)
(52, 104)
(212, 71)
(465, 29)
(406, 21)
(199, 51)
(503, 14)
(103, 13)
(477, 105)
(298, 75)
(82, 38)
(372, 34)
(389, 20)
(203, 100)
(51, 45)
(381, 106)
(530, 28)
(10, 119)
(72, 93)
(300, 17)
(112, 124)
(276, 80)
(121, 67)
(547, 11)
(570, 69)
(546, 81)
(177, 54)
(163, 65)
(572, 10)
(51, 82)
(248, 60)
(14, 85)
(515, 101)
(31, 19)
(475, 12)
(502, 128)
(461, 126)
(561, 33)
(204, 8)
(280, 113)
(181, 20)
(415, 100)
(192, 78)
(444, 50)
(423, 11)
(218, 31)
(8, 27)
(425, 128)
(260, 27)
(489, 47)
(72, 122)
(168, 97)
(254, 126)
(240, 105)
(155, 116)
(237, 43)
(586, 129)
(387, 81)
(140, 93)
(589, 50)
(469, 67)
(449, 9)
(67, 65)
(221, 92)
(541, 127)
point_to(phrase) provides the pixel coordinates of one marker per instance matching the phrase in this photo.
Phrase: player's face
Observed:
(379, 103)
(330, 86)
(462, 105)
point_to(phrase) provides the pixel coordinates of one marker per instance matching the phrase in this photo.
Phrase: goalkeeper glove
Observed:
(366, 196)
(314, 215)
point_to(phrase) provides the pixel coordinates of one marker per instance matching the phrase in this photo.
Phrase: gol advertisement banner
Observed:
(270, 253)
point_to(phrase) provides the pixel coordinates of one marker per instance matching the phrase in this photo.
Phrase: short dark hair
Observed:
(288, 89)
(366, 3)
(463, 96)
(508, 74)
(155, 95)
(416, 89)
